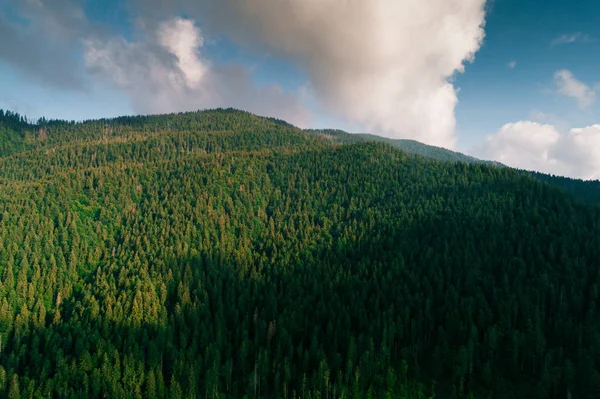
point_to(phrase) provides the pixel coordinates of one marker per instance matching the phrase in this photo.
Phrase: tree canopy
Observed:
(219, 254)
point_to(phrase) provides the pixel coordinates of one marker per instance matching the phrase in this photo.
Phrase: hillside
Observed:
(219, 254)
(409, 146)
(586, 191)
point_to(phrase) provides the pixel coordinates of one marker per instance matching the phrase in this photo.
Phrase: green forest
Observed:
(218, 254)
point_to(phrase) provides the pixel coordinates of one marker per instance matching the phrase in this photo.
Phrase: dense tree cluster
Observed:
(222, 255)
(12, 126)
(585, 190)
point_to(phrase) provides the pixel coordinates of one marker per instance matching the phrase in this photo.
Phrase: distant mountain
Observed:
(409, 146)
(586, 191)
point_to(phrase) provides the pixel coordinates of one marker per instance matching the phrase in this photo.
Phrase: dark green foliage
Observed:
(222, 255)
(586, 191)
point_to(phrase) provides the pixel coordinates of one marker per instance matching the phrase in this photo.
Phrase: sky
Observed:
(515, 81)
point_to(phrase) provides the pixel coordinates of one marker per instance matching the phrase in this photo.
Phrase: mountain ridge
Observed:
(17, 133)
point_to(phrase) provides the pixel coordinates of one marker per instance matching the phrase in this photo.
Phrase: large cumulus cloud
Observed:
(385, 64)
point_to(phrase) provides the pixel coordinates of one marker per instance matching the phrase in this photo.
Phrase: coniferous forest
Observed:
(218, 254)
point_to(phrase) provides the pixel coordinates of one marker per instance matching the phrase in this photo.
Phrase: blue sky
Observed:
(512, 78)
(524, 31)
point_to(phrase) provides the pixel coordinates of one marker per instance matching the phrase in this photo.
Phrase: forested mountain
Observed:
(409, 146)
(12, 130)
(222, 255)
(587, 191)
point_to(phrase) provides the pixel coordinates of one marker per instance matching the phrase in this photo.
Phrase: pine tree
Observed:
(13, 389)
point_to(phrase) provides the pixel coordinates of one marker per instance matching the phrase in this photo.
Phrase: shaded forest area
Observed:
(222, 255)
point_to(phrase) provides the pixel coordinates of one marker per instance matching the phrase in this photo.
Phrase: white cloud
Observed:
(182, 39)
(522, 144)
(534, 146)
(569, 86)
(166, 72)
(570, 38)
(384, 64)
(580, 149)
(512, 64)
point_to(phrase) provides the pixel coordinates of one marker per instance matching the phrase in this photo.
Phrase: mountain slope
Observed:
(219, 254)
(410, 146)
(586, 191)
